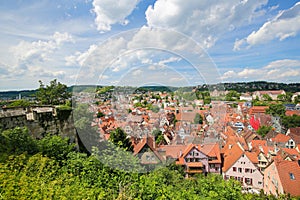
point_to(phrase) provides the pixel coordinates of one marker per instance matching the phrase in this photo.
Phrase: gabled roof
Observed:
(281, 138)
(173, 151)
(289, 174)
(231, 154)
(212, 150)
(252, 157)
(295, 134)
(147, 140)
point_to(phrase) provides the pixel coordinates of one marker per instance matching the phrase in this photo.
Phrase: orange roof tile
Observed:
(289, 174)
(231, 154)
(172, 151)
(281, 138)
(212, 150)
(252, 157)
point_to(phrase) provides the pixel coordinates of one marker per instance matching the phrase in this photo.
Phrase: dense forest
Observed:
(52, 168)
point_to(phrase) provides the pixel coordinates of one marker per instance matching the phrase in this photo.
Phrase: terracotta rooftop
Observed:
(289, 174)
(281, 138)
(252, 157)
(231, 154)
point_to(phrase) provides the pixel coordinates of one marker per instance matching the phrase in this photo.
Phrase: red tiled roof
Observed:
(212, 150)
(231, 154)
(286, 171)
(292, 112)
(257, 143)
(149, 141)
(173, 151)
(257, 109)
(281, 138)
(252, 157)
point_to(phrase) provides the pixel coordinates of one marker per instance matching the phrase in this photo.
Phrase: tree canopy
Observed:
(120, 139)
(276, 110)
(54, 170)
(53, 94)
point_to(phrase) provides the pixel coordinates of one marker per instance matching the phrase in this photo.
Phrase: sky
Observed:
(148, 42)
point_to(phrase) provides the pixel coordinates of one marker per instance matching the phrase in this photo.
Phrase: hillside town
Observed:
(239, 139)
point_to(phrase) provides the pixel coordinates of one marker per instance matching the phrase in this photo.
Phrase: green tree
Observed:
(120, 139)
(276, 110)
(159, 138)
(20, 102)
(16, 141)
(100, 114)
(266, 97)
(291, 121)
(154, 108)
(232, 95)
(198, 119)
(263, 130)
(55, 147)
(53, 94)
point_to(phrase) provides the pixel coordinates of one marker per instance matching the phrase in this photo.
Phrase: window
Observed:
(234, 169)
(292, 176)
(240, 170)
(248, 181)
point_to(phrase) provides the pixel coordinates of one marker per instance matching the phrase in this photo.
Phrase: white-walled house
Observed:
(241, 165)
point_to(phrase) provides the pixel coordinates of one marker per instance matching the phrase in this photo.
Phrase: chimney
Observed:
(230, 146)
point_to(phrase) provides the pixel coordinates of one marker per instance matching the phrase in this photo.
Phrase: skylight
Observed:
(292, 177)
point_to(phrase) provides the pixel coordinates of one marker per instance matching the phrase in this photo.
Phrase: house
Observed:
(283, 141)
(246, 97)
(294, 133)
(146, 151)
(241, 165)
(257, 109)
(282, 177)
(193, 160)
(205, 158)
(214, 157)
(271, 93)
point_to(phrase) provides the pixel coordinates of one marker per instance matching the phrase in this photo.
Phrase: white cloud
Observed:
(137, 72)
(284, 25)
(279, 70)
(39, 50)
(203, 20)
(35, 58)
(229, 74)
(111, 12)
(285, 63)
(169, 60)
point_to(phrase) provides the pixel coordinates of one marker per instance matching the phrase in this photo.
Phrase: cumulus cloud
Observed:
(39, 50)
(111, 12)
(279, 70)
(282, 26)
(203, 20)
(29, 57)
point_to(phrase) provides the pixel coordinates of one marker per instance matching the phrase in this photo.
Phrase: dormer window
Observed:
(292, 176)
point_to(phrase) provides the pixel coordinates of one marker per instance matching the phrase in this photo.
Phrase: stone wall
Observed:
(40, 121)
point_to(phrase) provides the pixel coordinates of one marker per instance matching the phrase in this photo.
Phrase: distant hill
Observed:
(253, 86)
(239, 87)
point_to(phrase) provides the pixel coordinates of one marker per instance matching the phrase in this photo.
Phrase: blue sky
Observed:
(142, 42)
